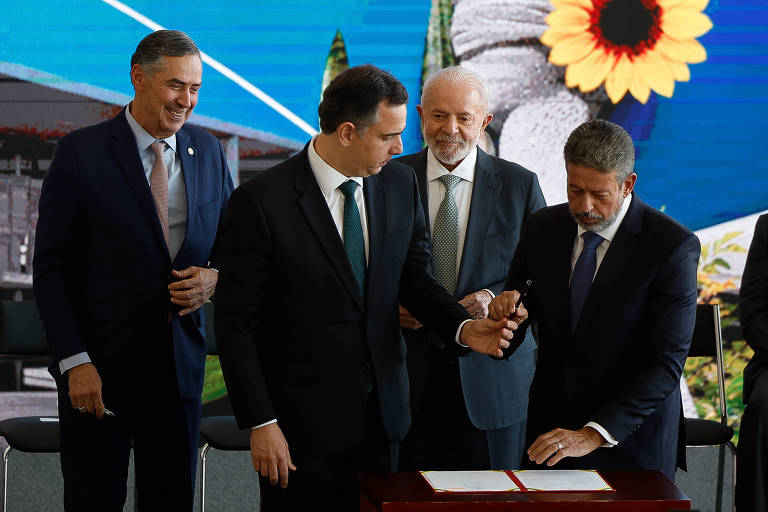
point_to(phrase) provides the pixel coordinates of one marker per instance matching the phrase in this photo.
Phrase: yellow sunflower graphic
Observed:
(631, 45)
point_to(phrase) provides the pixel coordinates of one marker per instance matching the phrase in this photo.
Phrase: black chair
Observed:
(707, 342)
(22, 334)
(219, 432)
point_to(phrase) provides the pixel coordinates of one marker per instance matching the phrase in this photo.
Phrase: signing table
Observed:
(646, 491)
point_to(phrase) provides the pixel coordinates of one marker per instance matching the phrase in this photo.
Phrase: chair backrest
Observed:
(707, 341)
(210, 334)
(21, 330)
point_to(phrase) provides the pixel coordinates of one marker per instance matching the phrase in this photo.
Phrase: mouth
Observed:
(176, 114)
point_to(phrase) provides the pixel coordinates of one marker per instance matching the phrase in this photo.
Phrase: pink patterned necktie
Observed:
(158, 184)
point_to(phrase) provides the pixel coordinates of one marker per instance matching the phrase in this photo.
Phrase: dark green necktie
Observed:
(353, 234)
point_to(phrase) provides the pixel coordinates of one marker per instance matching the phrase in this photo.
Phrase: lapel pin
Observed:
(190, 151)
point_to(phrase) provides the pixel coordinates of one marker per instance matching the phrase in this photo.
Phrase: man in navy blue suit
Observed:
(128, 217)
(469, 409)
(315, 255)
(614, 304)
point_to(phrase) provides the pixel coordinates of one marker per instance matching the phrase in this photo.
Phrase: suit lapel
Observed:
(619, 252)
(315, 209)
(123, 146)
(485, 191)
(375, 205)
(189, 169)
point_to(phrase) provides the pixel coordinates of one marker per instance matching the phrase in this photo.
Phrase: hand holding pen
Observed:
(509, 304)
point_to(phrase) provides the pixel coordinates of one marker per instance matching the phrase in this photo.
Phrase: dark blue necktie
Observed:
(353, 234)
(583, 273)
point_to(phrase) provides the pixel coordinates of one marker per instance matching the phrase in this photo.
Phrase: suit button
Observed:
(365, 367)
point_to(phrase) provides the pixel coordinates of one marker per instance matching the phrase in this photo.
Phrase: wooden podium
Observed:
(646, 491)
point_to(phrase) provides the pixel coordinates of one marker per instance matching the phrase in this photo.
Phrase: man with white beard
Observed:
(469, 412)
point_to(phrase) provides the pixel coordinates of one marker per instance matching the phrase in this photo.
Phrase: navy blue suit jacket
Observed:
(296, 340)
(101, 265)
(621, 368)
(504, 195)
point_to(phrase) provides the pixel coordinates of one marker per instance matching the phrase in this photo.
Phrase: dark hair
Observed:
(162, 43)
(354, 96)
(603, 146)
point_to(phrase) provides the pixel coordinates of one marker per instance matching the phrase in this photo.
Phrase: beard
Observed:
(450, 156)
(603, 222)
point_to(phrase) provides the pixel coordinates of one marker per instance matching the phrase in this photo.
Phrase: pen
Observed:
(107, 412)
(526, 289)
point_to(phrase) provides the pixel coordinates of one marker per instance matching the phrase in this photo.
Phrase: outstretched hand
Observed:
(488, 336)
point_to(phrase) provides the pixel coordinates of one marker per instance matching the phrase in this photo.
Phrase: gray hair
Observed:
(603, 146)
(159, 44)
(456, 75)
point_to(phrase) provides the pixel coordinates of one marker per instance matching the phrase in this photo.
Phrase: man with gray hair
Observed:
(613, 303)
(469, 409)
(129, 212)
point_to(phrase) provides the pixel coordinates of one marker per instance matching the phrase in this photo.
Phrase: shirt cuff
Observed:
(493, 295)
(610, 441)
(458, 331)
(265, 424)
(70, 362)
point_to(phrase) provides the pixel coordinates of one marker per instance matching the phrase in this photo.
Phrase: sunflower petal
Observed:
(585, 4)
(619, 78)
(639, 88)
(653, 69)
(696, 5)
(572, 49)
(596, 68)
(571, 20)
(671, 4)
(685, 50)
(680, 71)
(685, 23)
(551, 37)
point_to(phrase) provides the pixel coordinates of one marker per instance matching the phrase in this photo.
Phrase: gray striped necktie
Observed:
(445, 236)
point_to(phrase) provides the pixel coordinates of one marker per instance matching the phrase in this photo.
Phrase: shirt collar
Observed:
(465, 170)
(609, 232)
(327, 177)
(143, 138)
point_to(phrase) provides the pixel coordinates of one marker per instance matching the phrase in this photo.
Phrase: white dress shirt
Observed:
(608, 234)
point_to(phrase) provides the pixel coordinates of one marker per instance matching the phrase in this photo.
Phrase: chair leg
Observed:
(203, 453)
(720, 478)
(4, 497)
(733, 486)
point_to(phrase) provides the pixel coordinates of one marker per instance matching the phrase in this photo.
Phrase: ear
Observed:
(138, 77)
(345, 132)
(487, 120)
(420, 110)
(628, 185)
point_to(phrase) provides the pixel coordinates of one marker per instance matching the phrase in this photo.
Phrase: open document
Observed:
(516, 481)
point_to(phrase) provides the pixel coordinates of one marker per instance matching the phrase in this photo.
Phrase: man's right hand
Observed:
(504, 305)
(270, 455)
(407, 320)
(85, 389)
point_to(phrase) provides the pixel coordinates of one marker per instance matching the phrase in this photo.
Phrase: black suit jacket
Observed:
(101, 265)
(504, 195)
(621, 368)
(296, 340)
(753, 305)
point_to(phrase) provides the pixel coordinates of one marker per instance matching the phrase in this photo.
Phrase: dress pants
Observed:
(329, 482)
(163, 430)
(752, 451)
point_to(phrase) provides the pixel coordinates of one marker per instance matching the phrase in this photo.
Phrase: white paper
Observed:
(562, 480)
(470, 481)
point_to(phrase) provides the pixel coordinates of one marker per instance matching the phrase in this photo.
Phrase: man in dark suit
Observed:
(469, 409)
(316, 253)
(614, 303)
(128, 218)
(752, 457)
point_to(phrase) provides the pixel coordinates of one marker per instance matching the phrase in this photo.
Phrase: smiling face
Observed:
(165, 99)
(452, 118)
(594, 197)
(374, 148)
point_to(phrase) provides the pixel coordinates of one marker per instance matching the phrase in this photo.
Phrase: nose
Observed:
(185, 98)
(450, 125)
(397, 145)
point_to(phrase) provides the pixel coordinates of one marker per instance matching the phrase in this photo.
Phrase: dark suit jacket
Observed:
(621, 368)
(504, 195)
(753, 305)
(101, 265)
(296, 340)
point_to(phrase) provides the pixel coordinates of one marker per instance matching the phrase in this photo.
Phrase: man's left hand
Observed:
(476, 303)
(575, 443)
(195, 285)
(487, 336)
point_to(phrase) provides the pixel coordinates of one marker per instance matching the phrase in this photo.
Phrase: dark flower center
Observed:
(626, 26)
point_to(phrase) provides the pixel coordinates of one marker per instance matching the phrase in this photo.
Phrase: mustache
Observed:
(450, 138)
(588, 215)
